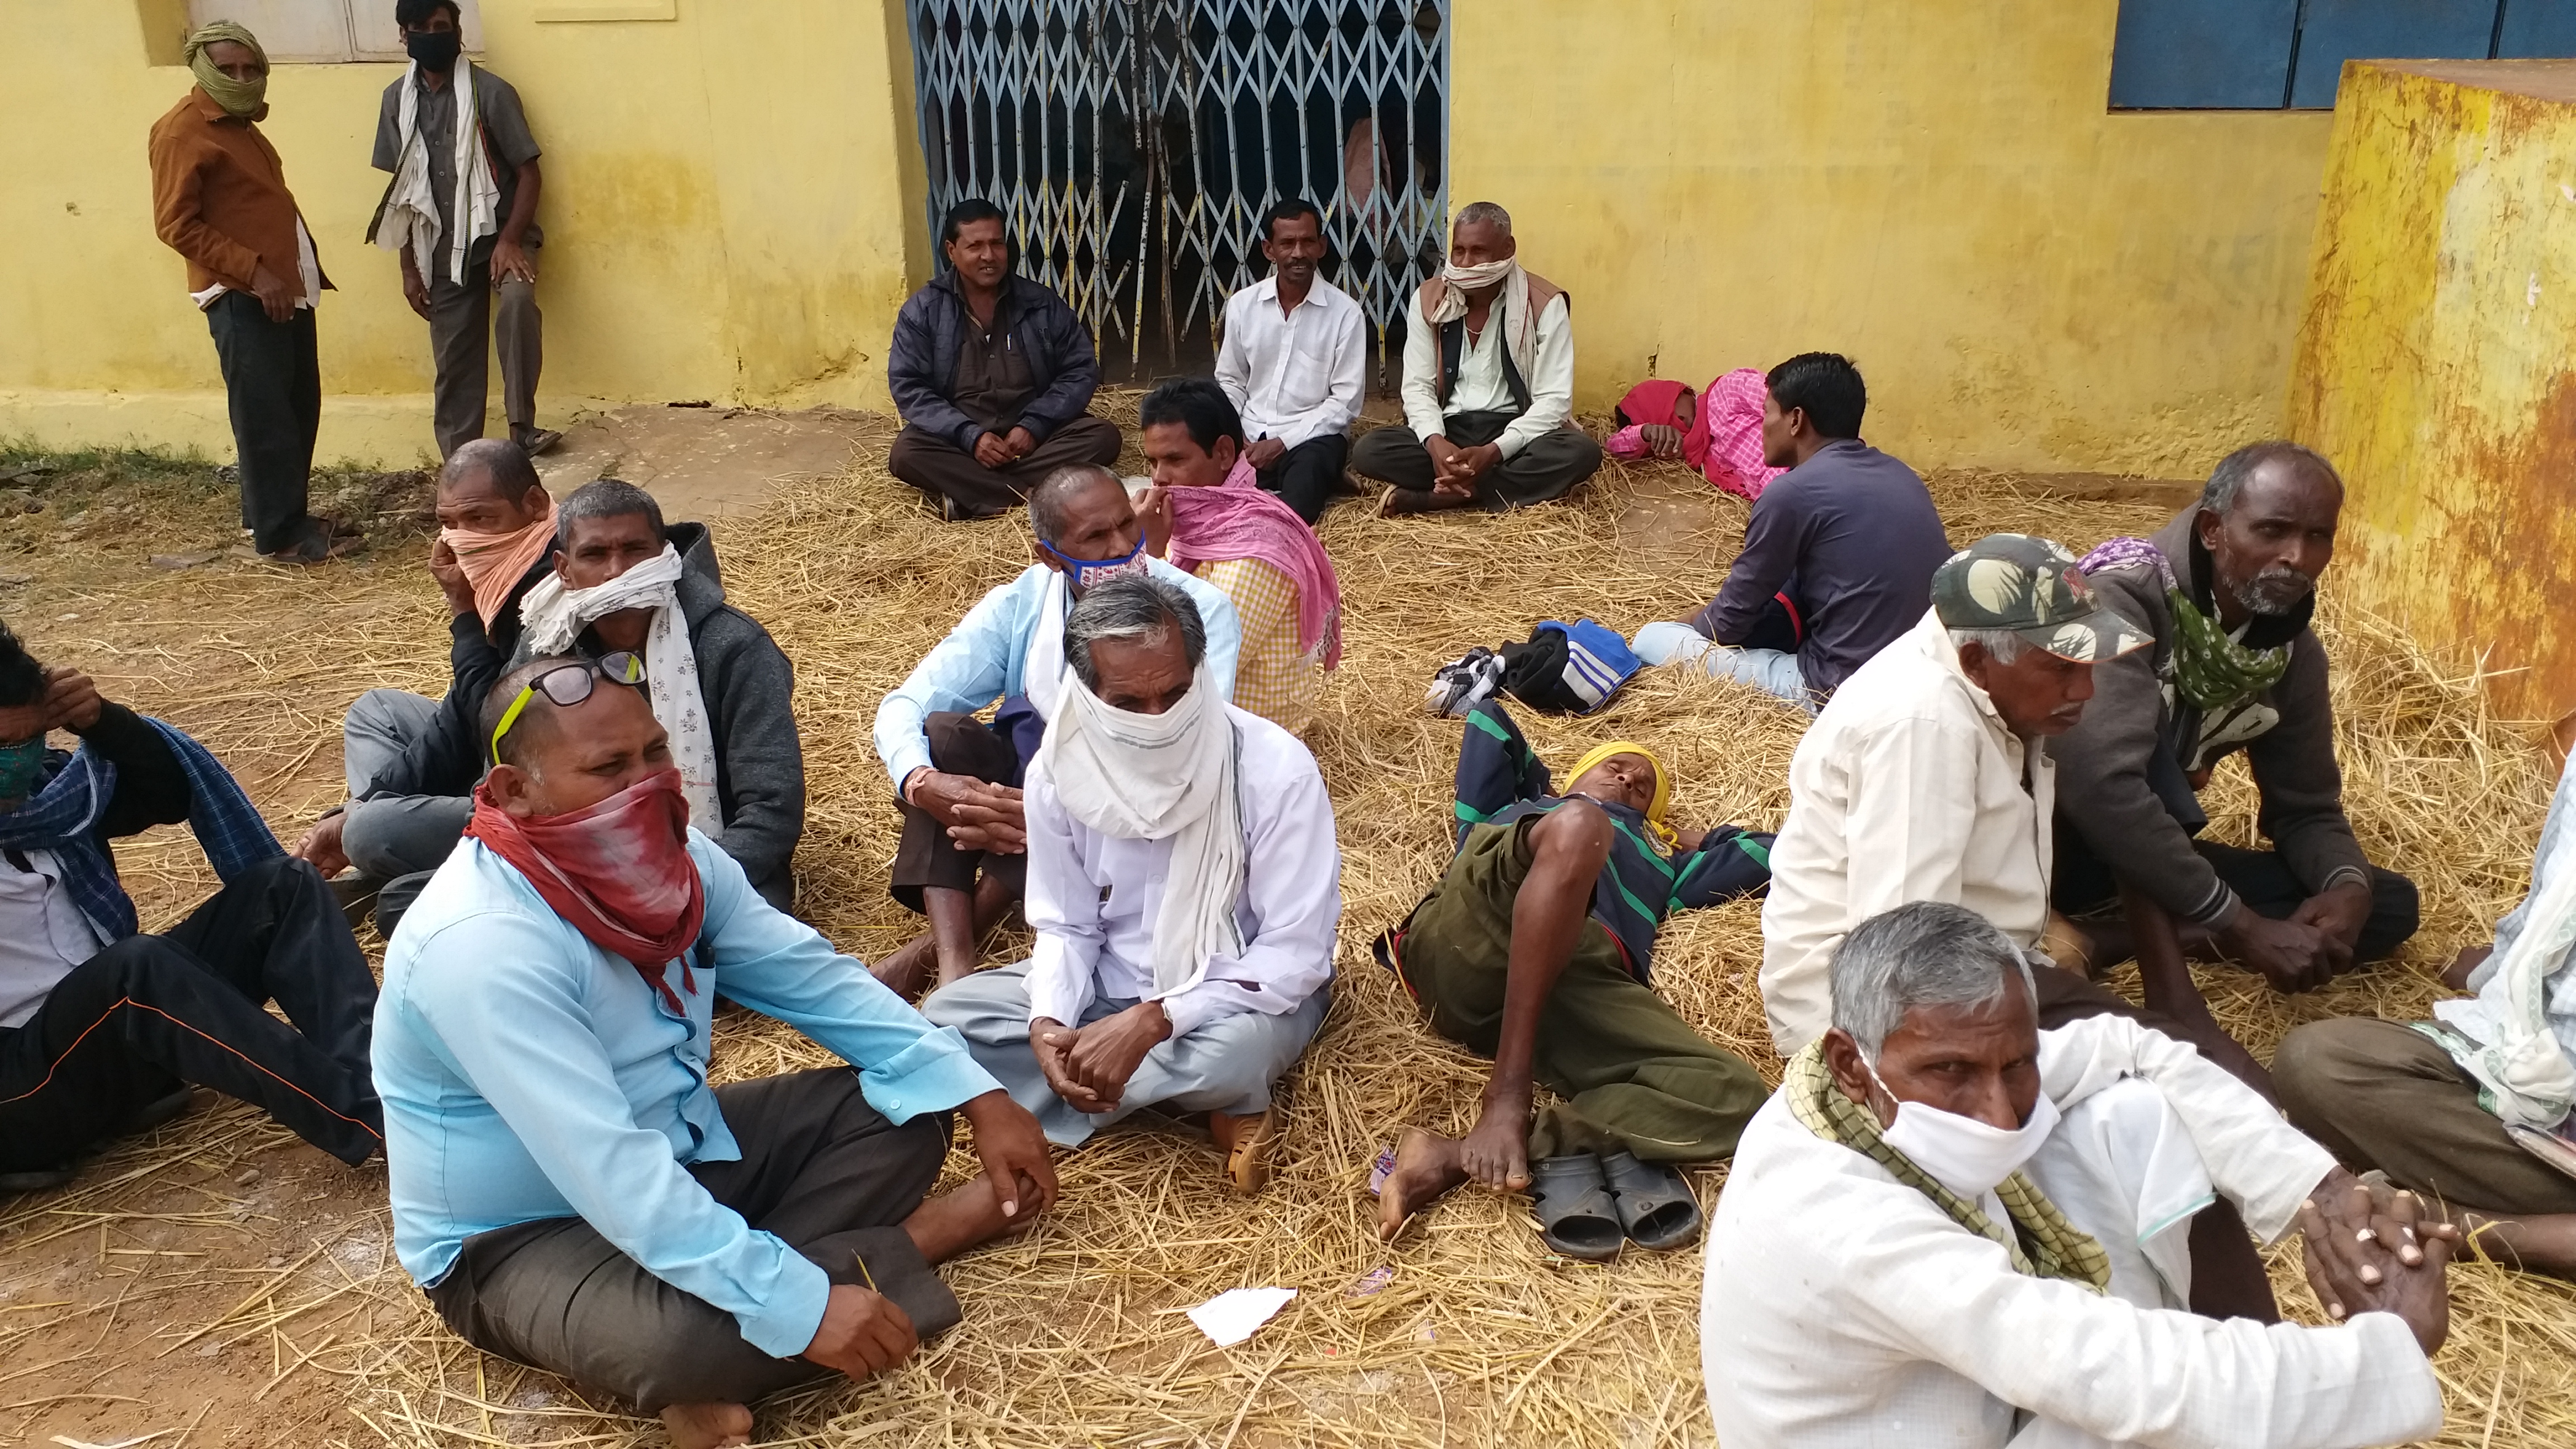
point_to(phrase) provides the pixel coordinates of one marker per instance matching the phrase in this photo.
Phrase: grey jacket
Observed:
(749, 688)
(2123, 773)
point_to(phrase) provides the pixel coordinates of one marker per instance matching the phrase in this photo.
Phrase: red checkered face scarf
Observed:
(619, 871)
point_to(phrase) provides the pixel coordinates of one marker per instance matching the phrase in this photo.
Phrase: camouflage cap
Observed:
(2032, 587)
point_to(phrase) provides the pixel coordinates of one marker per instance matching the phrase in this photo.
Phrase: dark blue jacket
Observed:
(932, 326)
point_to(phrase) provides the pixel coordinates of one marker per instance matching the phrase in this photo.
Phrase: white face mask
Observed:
(1965, 1155)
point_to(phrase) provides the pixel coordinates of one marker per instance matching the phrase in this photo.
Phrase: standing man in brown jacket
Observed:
(2226, 590)
(219, 199)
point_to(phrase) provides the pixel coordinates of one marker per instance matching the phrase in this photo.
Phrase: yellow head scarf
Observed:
(238, 98)
(1663, 784)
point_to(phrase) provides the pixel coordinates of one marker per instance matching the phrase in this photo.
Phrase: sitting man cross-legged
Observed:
(410, 760)
(956, 778)
(1208, 515)
(1927, 778)
(1184, 885)
(1838, 553)
(567, 1187)
(2226, 590)
(621, 580)
(1294, 362)
(992, 373)
(1488, 384)
(1535, 950)
(1950, 1227)
(2447, 1106)
(102, 1027)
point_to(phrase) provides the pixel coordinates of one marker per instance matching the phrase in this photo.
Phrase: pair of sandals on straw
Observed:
(1588, 1205)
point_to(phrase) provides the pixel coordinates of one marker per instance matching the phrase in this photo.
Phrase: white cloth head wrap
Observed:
(554, 617)
(1169, 776)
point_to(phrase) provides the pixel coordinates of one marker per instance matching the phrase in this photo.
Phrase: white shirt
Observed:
(1908, 787)
(43, 935)
(1481, 387)
(1092, 898)
(1294, 376)
(1845, 1310)
(308, 270)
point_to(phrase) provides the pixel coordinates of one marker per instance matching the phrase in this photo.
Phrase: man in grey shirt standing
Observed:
(462, 215)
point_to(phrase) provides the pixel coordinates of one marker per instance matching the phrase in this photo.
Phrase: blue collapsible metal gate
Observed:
(1134, 145)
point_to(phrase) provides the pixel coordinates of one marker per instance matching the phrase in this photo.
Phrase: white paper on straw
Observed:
(1231, 1316)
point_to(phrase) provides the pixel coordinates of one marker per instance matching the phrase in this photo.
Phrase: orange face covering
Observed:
(493, 562)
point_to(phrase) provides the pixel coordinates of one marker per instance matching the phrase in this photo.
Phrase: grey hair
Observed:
(607, 498)
(1924, 953)
(1138, 606)
(1483, 213)
(2002, 645)
(2228, 478)
(512, 474)
(1047, 500)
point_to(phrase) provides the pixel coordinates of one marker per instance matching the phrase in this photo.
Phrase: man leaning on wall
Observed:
(219, 199)
(461, 212)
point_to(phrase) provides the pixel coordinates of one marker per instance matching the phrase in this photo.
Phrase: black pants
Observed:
(2261, 878)
(1548, 467)
(1307, 475)
(820, 1169)
(946, 472)
(960, 744)
(130, 1024)
(273, 383)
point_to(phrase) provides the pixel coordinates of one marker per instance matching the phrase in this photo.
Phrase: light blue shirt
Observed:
(528, 1074)
(984, 658)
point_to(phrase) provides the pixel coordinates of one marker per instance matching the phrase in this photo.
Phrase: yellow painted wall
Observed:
(2437, 360)
(732, 211)
(1932, 186)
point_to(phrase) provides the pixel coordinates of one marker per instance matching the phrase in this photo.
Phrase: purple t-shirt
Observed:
(1853, 539)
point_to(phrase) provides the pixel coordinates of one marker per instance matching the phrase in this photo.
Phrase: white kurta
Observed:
(1844, 1310)
(1092, 898)
(1908, 787)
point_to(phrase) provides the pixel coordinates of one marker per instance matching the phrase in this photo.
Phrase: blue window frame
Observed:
(2275, 54)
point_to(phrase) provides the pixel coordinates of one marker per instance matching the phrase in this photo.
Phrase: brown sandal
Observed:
(1246, 1143)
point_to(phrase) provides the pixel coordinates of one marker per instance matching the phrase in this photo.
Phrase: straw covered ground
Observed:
(1463, 1332)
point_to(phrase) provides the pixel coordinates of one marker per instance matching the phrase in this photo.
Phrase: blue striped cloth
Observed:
(66, 812)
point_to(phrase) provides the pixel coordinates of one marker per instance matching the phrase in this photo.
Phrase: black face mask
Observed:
(434, 49)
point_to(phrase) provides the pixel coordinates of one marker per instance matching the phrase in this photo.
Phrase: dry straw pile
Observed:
(1465, 1331)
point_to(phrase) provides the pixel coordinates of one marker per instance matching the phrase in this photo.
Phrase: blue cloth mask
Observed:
(1086, 573)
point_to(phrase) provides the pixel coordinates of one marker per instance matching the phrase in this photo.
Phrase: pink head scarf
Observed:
(1725, 441)
(1236, 519)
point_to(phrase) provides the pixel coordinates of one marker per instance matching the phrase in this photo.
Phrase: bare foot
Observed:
(707, 1426)
(1426, 1165)
(2456, 975)
(966, 1216)
(907, 970)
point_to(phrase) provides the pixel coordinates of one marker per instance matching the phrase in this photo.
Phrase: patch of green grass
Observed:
(107, 465)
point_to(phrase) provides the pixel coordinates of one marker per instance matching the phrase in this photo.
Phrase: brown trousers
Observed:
(968, 489)
(2378, 1094)
(464, 331)
(960, 744)
(820, 1169)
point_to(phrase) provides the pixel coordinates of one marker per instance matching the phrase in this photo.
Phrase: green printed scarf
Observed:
(2043, 1245)
(2211, 670)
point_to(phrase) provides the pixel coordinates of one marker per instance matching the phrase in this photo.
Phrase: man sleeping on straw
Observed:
(1534, 950)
